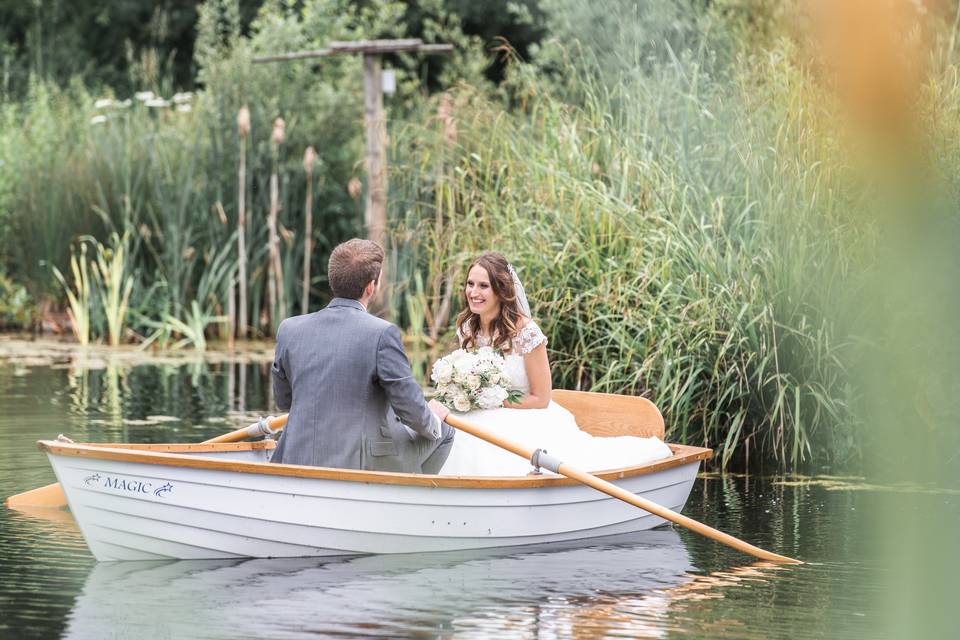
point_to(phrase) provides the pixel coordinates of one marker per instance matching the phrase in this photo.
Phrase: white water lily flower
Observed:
(103, 103)
(182, 96)
(143, 96)
(98, 119)
(184, 108)
(156, 103)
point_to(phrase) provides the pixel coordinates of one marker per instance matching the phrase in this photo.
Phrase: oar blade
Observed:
(50, 497)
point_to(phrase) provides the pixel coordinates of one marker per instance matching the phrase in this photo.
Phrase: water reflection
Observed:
(546, 593)
(643, 585)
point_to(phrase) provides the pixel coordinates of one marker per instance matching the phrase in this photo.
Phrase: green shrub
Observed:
(16, 306)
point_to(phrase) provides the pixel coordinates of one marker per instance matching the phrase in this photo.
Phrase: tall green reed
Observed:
(677, 240)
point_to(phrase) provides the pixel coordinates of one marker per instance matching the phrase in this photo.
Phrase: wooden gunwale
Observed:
(187, 447)
(165, 455)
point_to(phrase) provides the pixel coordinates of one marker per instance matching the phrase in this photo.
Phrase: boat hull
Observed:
(141, 509)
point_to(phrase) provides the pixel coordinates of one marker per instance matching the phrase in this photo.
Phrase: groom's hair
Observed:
(353, 264)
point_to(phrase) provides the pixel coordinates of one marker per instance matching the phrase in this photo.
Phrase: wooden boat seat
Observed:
(607, 414)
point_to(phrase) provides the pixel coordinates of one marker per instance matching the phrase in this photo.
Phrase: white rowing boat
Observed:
(197, 501)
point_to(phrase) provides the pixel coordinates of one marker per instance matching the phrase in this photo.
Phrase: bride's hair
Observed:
(506, 325)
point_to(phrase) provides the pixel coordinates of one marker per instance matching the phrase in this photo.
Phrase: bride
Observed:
(496, 314)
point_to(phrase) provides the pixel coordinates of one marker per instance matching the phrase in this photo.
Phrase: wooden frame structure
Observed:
(374, 122)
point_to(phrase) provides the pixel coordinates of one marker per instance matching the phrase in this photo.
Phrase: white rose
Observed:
(464, 365)
(461, 403)
(492, 397)
(442, 371)
(493, 377)
(473, 382)
(445, 394)
(456, 356)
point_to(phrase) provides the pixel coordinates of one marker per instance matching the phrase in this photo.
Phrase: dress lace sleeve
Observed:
(529, 338)
(462, 332)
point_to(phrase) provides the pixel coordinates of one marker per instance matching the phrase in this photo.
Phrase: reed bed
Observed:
(685, 234)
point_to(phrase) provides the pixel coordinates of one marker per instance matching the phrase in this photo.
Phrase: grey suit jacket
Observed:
(343, 375)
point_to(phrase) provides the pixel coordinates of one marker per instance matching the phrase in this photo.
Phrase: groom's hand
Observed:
(439, 410)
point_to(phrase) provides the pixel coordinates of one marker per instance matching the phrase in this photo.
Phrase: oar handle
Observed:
(263, 427)
(621, 494)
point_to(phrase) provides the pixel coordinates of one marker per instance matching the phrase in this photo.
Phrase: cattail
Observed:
(445, 115)
(309, 157)
(221, 213)
(275, 294)
(243, 128)
(243, 122)
(278, 132)
(354, 188)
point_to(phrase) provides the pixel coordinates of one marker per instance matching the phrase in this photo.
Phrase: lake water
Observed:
(662, 583)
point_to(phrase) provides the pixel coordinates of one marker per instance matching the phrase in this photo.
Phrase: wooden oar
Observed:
(265, 427)
(555, 465)
(51, 496)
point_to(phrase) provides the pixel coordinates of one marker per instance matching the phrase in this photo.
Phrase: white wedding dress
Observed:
(553, 429)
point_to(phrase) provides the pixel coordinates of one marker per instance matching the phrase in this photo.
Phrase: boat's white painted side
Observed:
(140, 511)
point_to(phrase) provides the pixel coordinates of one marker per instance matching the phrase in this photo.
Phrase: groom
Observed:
(343, 375)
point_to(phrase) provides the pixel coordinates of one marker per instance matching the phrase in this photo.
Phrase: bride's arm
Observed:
(537, 366)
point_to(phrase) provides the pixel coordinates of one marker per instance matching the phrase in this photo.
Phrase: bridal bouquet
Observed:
(472, 380)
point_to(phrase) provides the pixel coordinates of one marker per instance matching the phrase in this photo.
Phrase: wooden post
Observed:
(375, 212)
(375, 124)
